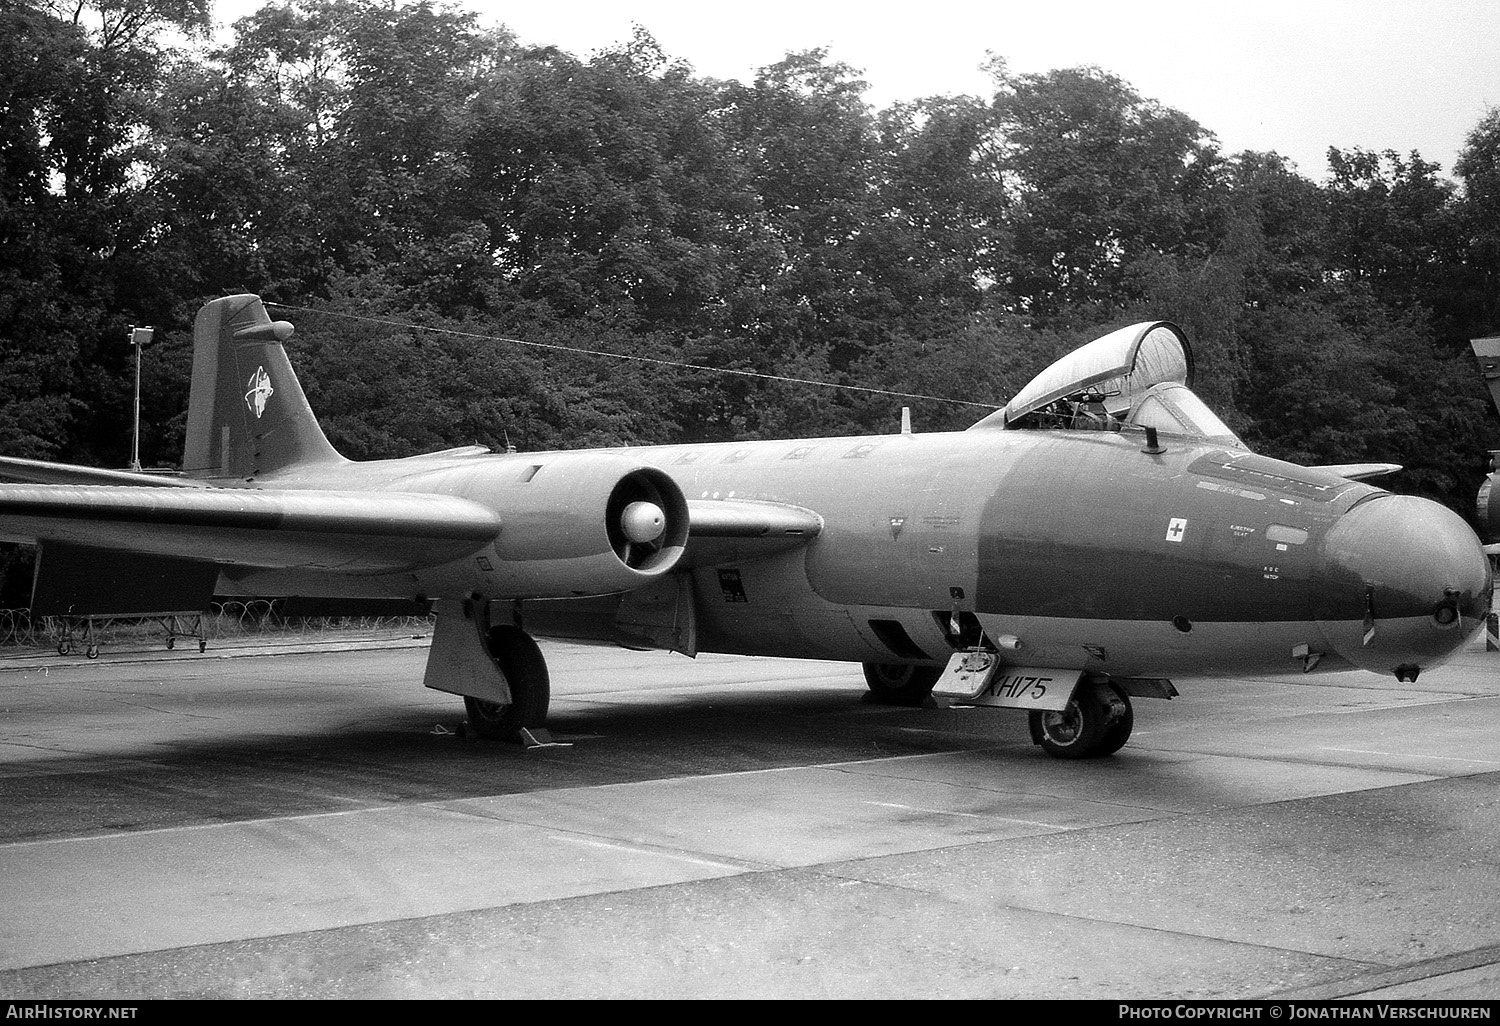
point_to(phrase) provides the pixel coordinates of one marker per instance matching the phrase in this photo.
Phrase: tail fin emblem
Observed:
(260, 391)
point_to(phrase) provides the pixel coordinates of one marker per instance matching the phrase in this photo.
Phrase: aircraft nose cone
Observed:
(1405, 583)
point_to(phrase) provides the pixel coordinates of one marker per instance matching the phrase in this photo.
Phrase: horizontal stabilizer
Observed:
(13, 468)
(1360, 471)
(352, 532)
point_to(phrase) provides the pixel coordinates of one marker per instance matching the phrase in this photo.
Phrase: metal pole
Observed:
(138, 338)
(135, 433)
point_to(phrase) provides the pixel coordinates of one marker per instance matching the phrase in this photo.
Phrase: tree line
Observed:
(390, 170)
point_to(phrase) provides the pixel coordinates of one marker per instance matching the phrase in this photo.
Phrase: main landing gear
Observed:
(1097, 722)
(496, 667)
(520, 662)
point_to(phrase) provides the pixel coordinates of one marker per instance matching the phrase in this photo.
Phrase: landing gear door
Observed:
(977, 677)
(660, 615)
(459, 661)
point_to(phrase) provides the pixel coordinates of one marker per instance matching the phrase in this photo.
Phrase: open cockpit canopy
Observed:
(1140, 377)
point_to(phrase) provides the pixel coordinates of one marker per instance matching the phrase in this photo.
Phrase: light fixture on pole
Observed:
(139, 337)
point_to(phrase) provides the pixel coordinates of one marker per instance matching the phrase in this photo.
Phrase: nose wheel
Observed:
(1097, 722)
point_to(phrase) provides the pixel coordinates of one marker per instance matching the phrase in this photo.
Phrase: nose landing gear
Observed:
(1096, 722)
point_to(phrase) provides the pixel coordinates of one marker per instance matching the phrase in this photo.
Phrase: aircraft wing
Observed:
(722, 530)
(748, 518)
(1360, 471)
(348, 532)
(362, 532)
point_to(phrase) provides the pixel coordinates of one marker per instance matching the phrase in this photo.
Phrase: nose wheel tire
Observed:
(1097, 722)
(900, 683)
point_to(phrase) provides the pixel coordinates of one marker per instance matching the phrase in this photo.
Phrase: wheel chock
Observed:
(538, 737)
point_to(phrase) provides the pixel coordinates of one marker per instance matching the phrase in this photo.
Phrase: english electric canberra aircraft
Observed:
(1102, 533)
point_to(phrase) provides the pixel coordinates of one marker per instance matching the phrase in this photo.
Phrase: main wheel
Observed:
(520, 661)
(1097, 722)
(900, 683)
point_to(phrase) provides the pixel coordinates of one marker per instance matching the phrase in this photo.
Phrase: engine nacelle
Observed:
(579, 523)
(1487, 511)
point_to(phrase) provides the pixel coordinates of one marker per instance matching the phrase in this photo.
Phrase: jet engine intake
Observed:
(637, 522)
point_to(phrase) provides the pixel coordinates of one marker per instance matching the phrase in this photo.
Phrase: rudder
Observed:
(247, 414)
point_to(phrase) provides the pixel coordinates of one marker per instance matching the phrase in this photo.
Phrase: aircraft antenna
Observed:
(654, 360)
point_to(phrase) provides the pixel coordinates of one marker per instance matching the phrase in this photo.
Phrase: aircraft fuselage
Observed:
(1077, 547)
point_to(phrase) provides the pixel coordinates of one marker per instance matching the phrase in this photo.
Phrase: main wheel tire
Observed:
(520, 660)
(900, 683)
(1097, 722)
(1118, 732)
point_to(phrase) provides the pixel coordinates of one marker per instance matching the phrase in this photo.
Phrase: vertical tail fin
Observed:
(247, 414)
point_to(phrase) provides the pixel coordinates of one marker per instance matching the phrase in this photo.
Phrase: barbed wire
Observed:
(225, 621)
(19, 629)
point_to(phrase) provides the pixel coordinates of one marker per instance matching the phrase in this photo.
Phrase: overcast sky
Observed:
(1295, 76)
